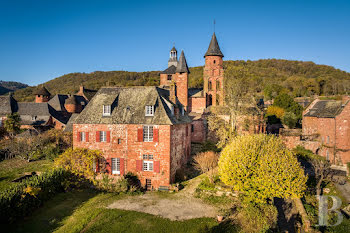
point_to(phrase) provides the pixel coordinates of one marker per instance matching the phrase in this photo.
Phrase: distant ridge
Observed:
(8, 86)
(267, 76)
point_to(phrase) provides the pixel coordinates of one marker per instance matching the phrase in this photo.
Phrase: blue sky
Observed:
(43, 39)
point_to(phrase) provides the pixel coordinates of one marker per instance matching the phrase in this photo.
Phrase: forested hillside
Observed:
(7, 86)
(267, 77)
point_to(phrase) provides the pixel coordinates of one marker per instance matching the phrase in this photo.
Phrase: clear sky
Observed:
(43, 39)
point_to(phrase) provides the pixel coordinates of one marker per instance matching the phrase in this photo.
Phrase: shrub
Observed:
(261, 167)
(290, 120)
(79, 161)
(275, 111)
(21, 199)
(259, 218)
(206, 162)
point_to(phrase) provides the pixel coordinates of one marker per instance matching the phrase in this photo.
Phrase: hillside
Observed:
(6, 86)
(268, 77)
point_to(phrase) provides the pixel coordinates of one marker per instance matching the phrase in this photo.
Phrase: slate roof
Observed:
(7, 105)
(325, 109)
(195, 92)
(214, 49)
(69, 125)
(88, 93)
(42, 91)
(182, 65)
(128, 107)
(41, 112)
(58, 101)
(169, 70)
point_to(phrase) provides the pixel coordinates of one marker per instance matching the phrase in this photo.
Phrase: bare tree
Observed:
(322, 170)
(206, 162)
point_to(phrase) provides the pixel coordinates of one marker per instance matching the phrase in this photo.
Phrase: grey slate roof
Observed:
(214, 49)
(69, 125)
(325, 109)
(42, 91)
(195, 92)
(7, 105)
(41, 112)
(58, 101)
(128, 107)
(88, 93)
(182, 65)
(169, 70)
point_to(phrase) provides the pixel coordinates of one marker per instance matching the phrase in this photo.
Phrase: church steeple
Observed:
(214, 49)
(173, 57)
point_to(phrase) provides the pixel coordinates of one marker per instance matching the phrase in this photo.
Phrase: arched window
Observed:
(210, 86)
(218, 86)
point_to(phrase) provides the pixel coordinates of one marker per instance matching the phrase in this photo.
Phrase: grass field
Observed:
(84, 211)
(14, 168)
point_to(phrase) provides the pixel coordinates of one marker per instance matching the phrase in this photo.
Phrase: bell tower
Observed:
(214, 74)
(173, 57)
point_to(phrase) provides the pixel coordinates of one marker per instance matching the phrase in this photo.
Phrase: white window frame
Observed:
(115, 166)
(149, 110)
(147, 157)
(103, 136)
(148, 133)
(106, 110)
(34, 118)
(83, 136)
(148, 166)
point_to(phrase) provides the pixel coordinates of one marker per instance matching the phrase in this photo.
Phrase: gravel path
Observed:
(179, 206)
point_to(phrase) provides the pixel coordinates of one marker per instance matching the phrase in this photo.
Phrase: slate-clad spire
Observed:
(182, 65)
(214, 49)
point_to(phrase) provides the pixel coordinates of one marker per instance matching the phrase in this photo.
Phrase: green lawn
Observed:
(14, 168)
(85, 211)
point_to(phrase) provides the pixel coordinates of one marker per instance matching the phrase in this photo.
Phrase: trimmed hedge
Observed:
(20, 200)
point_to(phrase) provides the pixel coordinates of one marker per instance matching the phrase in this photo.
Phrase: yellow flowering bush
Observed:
(261, 167)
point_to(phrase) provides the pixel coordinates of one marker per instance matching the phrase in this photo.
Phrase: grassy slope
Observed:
(84, 211)
(15, 168)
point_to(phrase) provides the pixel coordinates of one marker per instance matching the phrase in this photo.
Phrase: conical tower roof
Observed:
(173, 49)
(42, 91)
(71, 100)
(182, 65)
(214, 49)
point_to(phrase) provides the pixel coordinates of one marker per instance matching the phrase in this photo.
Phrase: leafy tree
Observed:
(79, 161)
(290, 120)
(12, 124)
(261, 167)
(285, 101)
(275, 111)
(206, 162)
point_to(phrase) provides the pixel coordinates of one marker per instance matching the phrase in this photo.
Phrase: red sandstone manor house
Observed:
(143, 130)
(328, 122)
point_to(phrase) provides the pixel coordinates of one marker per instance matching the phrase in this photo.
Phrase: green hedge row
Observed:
(20, 200)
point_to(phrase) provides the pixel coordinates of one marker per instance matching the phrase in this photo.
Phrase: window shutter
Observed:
(108, 136)
(97, 136)
(138, 165)
(155, 135)
(156, 167)
(87, 136)
(109, 166)
(140, 135)
(79, 137)
(122, 166)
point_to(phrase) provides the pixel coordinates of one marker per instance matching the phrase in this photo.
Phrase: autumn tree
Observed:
(261, 167)
(12, 124)
(206, 162)
(79, 161)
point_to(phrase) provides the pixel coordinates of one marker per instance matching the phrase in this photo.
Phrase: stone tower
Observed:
(214, 74)
(173, 57)
(42, 95)
(181, 80)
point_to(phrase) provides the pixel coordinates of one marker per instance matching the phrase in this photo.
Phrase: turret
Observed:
(181, 80)
(173, 57)
(42, 95)
(72, 106)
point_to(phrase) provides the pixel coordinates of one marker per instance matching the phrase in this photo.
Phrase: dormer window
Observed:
(33, 118)
(149, 110)
(106, 110)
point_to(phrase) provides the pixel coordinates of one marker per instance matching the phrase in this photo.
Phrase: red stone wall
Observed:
(164, 79)
(182, 88)
(343, 134)
(199, 131)
(214, 73)
(130, 149)
(41, 99)
(73, 108)
(196, 104)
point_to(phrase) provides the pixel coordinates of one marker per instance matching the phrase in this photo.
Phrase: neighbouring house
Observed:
(325, 130)
(46, 112)
(143, 130)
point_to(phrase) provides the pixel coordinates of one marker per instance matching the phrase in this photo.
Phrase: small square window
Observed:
(119, 141)
(169, 77)
(149, 110)
(106, 110)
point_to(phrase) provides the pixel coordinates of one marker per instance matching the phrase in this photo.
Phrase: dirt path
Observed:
(179, 206)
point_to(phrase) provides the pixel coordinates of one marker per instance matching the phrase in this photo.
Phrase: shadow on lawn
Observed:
(51, 214)
(224, 227)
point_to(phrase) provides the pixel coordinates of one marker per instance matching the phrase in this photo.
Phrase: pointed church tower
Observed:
(181, 80)
(214, 74)
(173, 57)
